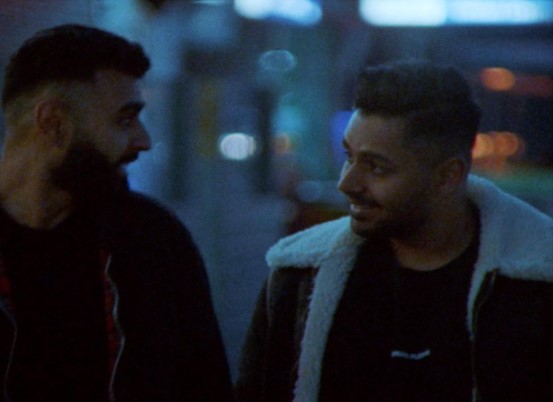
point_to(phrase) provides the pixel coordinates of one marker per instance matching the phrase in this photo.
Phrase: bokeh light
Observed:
(497, 79)
(237, 146)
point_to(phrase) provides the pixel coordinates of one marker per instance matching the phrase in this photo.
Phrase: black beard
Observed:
(89, 178)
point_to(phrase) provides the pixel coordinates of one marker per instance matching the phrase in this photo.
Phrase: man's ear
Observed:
(451, 174)
(54, 122)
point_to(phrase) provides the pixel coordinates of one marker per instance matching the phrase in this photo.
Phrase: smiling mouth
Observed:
(361, 210)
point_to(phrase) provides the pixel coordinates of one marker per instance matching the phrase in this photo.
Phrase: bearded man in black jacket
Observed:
(103, 293)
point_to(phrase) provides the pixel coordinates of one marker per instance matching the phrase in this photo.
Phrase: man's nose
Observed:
(142, 140)
(347, 180)
(350, 180)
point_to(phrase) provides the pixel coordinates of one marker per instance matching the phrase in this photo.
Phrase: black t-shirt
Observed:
(400, 335)
(61, 343)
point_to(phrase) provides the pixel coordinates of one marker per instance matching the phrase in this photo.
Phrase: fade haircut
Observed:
(69, 53)
(435, 101)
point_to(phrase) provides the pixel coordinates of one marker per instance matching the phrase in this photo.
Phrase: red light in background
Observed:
(534, 85)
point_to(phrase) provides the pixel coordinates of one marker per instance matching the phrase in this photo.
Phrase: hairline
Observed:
(434, 151)
(65, 90)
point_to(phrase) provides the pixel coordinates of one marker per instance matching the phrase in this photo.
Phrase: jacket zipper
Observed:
(481, 300)
(8, 312)
(111, 390)
(10, 360)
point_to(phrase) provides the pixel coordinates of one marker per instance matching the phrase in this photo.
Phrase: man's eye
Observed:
(379, 170)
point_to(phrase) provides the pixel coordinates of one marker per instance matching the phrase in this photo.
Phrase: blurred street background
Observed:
(247, 101)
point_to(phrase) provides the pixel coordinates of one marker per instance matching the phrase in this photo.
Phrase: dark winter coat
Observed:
(510, 306)
(170, 348)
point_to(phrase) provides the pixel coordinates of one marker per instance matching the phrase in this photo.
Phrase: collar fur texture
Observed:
(515, 239)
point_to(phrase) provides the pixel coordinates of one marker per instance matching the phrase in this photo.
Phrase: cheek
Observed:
(400, 195)
(416, 202)
(113, 144)
(387, 192)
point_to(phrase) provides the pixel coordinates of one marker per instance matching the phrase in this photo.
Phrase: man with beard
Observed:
(437, 287)
(103, 294)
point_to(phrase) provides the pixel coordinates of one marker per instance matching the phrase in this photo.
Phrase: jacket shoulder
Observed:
(142, 204)
(145, 212)
(310, 247)
(515, 236)
(144, 221)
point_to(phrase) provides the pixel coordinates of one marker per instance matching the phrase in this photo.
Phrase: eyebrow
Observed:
(370, 154)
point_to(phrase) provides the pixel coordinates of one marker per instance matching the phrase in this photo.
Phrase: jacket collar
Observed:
(515, 239)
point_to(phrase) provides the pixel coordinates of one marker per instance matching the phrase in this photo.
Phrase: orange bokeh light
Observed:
(497, 79)
(497, 144)
(492, 151)
(483, 146)
(506, 144)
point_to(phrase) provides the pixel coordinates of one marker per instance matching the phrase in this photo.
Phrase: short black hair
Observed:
(70, 53)
(436, 102)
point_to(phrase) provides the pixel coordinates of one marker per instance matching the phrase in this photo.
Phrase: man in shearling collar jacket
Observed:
(437, 287)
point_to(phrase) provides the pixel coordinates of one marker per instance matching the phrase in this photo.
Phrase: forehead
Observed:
(381, 138)
(373, 132)
(112, 90)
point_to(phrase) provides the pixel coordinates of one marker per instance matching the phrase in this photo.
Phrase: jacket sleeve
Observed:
(206, 373)
(268, 369)
(174, 346)
(249, 385)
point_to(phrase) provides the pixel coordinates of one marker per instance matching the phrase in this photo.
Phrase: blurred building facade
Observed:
(246, 112)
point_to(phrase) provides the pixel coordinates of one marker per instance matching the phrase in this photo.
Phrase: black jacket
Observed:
(510, 307)
(170, 347)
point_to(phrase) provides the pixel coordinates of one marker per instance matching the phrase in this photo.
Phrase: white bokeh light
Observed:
(305, 12)
(237, 146)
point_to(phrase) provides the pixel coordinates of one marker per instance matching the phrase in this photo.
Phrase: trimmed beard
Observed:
(90, 179)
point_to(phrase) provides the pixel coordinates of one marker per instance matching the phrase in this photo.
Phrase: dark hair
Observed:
(70, 53)
(436, 102)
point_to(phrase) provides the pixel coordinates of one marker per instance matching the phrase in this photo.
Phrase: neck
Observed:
(27, 195)
(443, 239)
